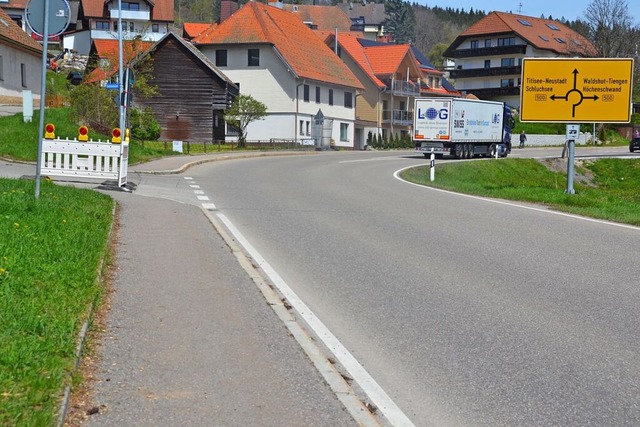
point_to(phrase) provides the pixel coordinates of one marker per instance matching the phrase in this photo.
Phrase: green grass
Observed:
(50, 253)
(612, 196)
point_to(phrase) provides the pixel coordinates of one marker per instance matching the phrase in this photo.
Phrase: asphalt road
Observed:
(465, 311)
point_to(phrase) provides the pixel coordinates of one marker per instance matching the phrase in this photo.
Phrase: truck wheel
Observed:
(492, 150)
(459, 154)
(469, 151)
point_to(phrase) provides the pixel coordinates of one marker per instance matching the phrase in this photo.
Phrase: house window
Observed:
(487, 43)
(507, 62)
(23, 74)
(301, 127)
(506, 83)
(348, 100)
(254, 57)
(103, 25)
(524, 22)
(545, 38)
(155, 28)
(475, 44)
(344, 131)
(130, 6)
(559, 40)
(330, 96)
(507, 41)
(130, 26)
(221, 57)
(306, 93)
(308, 128)
(317, 94)
(553, 27)
(487, 63)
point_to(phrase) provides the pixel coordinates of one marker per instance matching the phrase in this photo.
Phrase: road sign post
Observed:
(572, 134)
(576, 90)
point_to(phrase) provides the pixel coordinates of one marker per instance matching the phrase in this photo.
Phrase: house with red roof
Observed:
(148, 20)
(488, 55)
(391, 76)
(20, 59)
(103, 63)
(273, 56)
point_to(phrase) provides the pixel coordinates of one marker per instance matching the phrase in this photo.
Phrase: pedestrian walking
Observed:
(523, 139)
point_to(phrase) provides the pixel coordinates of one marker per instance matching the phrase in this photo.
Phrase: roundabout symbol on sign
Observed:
(577, 92)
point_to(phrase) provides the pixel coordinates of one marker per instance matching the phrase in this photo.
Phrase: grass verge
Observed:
(607, 188)
(50, 251)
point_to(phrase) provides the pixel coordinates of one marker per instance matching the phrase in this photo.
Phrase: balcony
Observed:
(492, 92)
(397, 117)
(402, 87)
(489, 51)
(485, 72)
(132, 15)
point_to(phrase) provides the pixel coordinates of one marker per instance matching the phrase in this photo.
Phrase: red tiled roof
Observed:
(324, 17)
(385, 60)
(161, 10)
(304, 52)
(11, 32)
(535, 33)
(194, 29)
(353, 48)
(108, 48)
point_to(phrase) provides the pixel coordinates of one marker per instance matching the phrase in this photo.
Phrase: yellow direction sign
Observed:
(576, 90)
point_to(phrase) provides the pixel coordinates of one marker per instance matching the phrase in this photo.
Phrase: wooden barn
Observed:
(192, 93)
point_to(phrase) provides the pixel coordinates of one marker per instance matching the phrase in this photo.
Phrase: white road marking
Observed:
(209, 206)
(194, 186)
(515, 205)
(376, 394)
(203, 198)
(198, 192)
(188, 178)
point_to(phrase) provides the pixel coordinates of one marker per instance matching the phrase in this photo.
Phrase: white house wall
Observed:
(275, 86)
(11, 83)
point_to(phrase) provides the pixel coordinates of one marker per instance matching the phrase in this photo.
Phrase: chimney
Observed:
(227, 8)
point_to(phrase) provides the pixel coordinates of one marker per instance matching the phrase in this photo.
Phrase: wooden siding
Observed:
(191, 98)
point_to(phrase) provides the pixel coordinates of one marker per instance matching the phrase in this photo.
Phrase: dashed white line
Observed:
(202, 198)
(198, 192)
(209, 206)
(194, 186)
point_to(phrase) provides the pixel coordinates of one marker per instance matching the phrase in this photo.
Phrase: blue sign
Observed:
(112, 86)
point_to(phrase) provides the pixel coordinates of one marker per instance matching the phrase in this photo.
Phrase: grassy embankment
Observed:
(50, 256)
(605, 189)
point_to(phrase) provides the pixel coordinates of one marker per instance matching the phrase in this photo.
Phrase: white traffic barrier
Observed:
(71, 157)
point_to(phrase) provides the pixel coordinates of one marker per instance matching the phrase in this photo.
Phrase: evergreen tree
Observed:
(401, 20)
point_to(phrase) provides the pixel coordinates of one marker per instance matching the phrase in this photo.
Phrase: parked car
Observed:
(634, 144)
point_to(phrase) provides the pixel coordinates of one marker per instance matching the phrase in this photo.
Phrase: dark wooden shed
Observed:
(192, 93)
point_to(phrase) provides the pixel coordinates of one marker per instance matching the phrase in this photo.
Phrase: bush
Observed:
(143, 126)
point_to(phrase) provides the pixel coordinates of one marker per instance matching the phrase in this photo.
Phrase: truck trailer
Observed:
(462, 127)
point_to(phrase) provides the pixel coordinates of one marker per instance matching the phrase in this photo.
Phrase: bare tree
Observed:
(611, 28)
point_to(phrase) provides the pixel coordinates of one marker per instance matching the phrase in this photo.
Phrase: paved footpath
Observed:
(190, 340)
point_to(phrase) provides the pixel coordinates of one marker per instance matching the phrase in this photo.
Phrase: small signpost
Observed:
(572, 134)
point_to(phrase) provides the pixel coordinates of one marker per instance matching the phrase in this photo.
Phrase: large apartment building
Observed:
(488, 55)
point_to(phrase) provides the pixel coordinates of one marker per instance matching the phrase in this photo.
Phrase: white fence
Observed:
(85, 159)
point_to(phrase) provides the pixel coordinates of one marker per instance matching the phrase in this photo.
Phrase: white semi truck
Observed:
(462, 127)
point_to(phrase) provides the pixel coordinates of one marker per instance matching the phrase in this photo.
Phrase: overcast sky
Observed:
(570, 9)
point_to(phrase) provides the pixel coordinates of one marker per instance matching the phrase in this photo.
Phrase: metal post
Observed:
(498, 151)
(43, 92)
(570, 169)
(433, 165)
(120, 65)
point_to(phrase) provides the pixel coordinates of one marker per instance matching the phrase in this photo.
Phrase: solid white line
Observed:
(376, 394)
(203, 198)
(515, 205)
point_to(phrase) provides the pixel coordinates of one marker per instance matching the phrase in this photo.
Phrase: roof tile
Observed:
(9, 30)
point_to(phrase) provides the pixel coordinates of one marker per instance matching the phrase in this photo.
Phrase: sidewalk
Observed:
(189, 337)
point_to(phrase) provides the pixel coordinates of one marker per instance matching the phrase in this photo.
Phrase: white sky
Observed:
(570, 9)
